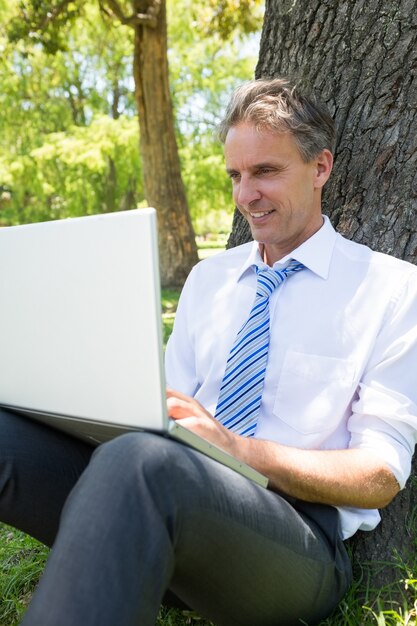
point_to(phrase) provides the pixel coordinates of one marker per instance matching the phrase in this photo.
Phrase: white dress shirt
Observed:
(343, 350)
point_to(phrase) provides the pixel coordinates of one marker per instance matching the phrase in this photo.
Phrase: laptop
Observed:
(81, 331)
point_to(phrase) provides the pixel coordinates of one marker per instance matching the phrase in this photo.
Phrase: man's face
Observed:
(274, 189)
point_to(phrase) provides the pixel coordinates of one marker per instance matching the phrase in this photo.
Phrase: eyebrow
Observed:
(258, 166)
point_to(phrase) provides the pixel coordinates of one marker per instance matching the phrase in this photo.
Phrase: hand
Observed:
(326, 476)
(195, 417)
(181, 406)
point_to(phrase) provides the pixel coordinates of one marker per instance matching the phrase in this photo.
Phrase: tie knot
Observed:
(269, 279)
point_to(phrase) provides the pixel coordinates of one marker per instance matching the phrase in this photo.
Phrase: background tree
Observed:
(142, 23)
(68, 146)
(68, 132)
(161, 166)
(206, 63)
(361, 59)
(164, 189)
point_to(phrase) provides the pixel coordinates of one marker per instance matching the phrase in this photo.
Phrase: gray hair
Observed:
(277, 105)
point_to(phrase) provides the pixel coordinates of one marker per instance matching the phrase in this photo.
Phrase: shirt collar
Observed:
(315, 253)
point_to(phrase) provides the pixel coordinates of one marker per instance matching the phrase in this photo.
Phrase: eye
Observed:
(234, 176)
(265, 170)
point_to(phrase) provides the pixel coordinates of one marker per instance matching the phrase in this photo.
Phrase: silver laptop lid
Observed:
(80, 319)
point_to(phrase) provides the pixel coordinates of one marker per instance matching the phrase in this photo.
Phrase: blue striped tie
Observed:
(241, 390)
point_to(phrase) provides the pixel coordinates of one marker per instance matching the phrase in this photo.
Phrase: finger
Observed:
(194, 407)
(173, 393)
(179, 408)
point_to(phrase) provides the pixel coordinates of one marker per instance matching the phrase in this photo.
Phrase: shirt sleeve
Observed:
(180, 369)
(384, 414)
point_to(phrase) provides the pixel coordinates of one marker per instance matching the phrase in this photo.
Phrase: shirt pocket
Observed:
(313, 391)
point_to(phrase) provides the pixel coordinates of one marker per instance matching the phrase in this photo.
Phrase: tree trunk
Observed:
(361, 59)
(163, 184)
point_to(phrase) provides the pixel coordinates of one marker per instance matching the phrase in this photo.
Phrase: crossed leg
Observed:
(149, 514)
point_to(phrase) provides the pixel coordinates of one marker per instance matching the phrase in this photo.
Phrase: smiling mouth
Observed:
(259, 214)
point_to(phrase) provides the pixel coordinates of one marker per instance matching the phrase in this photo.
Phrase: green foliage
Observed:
(226, 17)
(83, 170)
(43, 93)
(32, 99)
(44, 23)
(56, 154)
(204, 71)
(208, 186)
(62, 154)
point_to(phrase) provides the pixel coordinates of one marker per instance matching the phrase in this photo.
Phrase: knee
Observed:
(143, 454)
(146, 470)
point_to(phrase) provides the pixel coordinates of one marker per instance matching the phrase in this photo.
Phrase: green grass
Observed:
(169, 299)
(394, 605)
(21, 563)
(22, 560)
(216, 241)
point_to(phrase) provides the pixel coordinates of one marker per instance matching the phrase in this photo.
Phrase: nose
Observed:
(245, 191)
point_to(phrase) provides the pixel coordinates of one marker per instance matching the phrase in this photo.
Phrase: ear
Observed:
(323, 168)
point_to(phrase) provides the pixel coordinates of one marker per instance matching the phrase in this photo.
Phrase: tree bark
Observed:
(361, 59)
(164, 188)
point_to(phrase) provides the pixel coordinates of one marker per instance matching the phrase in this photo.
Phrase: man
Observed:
(302, 344)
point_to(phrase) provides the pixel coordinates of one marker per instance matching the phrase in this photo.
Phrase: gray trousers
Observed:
(38, 468)
(150, 515)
